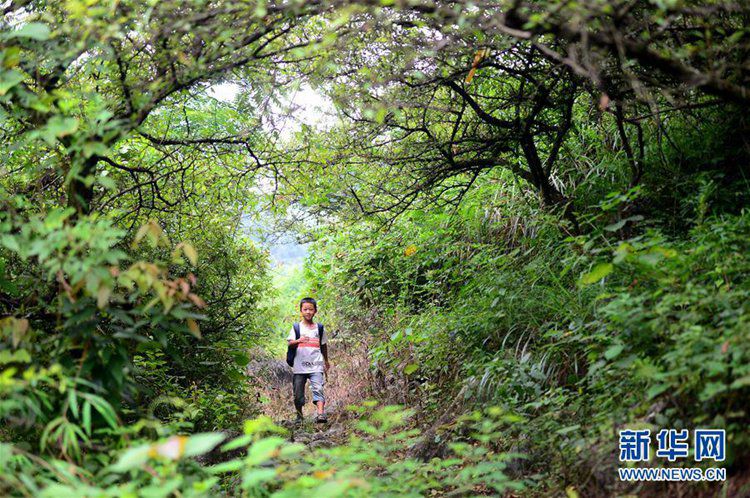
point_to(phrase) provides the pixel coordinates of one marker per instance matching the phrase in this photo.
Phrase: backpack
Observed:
(291, 351)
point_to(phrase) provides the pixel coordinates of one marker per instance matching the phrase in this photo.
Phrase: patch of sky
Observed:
(300, 105)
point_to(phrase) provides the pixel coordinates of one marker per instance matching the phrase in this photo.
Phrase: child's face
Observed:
(307, 311)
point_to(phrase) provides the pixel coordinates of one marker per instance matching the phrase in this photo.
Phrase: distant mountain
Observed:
(288, 253)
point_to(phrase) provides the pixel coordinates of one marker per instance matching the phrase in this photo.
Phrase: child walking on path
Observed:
(307, 354)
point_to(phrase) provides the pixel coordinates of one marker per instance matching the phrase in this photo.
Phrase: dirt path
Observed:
(345, 385)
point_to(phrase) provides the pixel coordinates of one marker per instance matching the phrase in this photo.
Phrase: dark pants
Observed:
(316, 385)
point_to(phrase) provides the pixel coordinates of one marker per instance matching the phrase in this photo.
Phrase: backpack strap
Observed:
(321, 331)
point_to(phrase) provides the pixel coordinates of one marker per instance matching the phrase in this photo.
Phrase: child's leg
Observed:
(316, 385)
(298, 384)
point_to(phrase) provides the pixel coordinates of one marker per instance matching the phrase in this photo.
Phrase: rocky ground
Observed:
(317, 435)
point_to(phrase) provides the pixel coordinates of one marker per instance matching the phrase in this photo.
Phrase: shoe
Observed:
(300, 418)
(322, 418)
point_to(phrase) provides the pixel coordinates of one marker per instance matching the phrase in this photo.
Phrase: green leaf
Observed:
(615, 226)
(656, 390)
(19, 356)
(263, 450)
(230, 466)
(257, 476)
(261, 424)
(132, 458)
(107, 182)
(56, 217)
(61, 126)
(599, 271)
(613, 351)
(411, 368)
(73, 402)
(33, 30)
(571, 492)
(8, 287)
(292, 449)
(86, 419)
(741, 382)
(712, 389)
(9, 79)
(190, 253)
(201, 443)
(10, 242)
(104, 409)
(241, 359)
(238, 442)
(570, 428)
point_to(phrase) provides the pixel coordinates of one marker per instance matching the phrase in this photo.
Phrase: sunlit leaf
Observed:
(33, 30)
(597, 273)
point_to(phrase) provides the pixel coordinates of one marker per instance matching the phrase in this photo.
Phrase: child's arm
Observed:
(324, 351)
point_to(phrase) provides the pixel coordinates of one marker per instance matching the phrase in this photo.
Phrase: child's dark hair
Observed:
(309, 300)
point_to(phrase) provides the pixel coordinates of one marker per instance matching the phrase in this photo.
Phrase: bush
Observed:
(370, 464)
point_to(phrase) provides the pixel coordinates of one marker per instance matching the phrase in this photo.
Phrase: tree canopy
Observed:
(536, 210)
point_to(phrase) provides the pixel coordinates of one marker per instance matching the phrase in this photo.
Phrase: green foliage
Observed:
(540, 206)
(630, 324)
(103, 306)
(271, 466)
